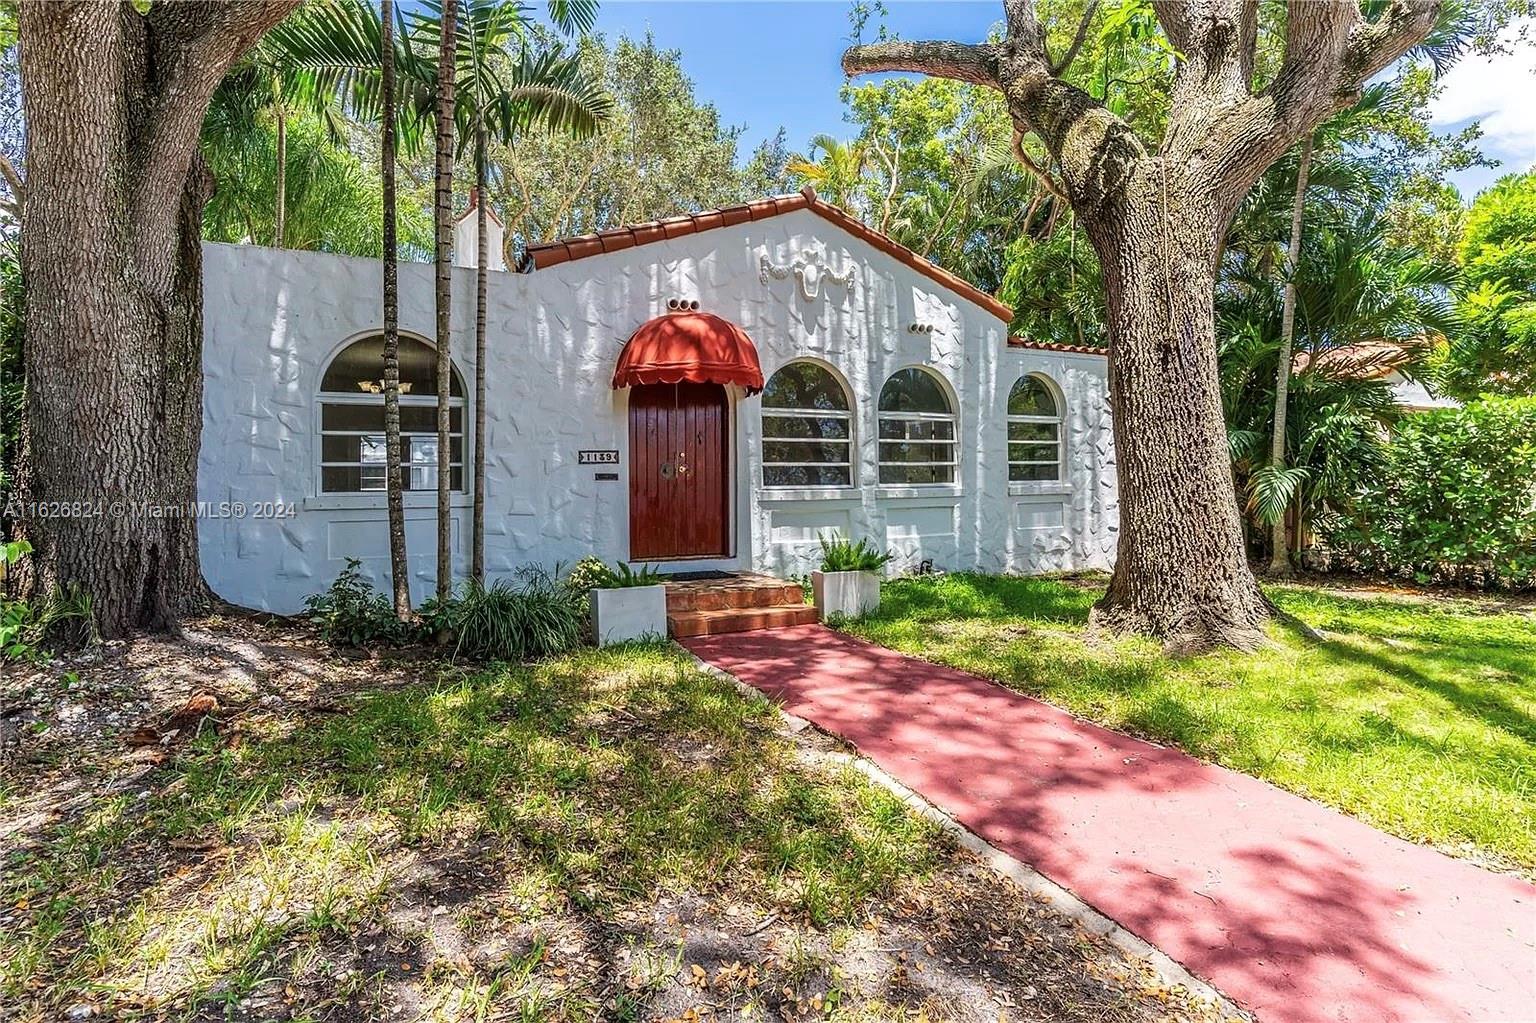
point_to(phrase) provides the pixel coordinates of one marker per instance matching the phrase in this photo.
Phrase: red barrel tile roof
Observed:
(1052, 346)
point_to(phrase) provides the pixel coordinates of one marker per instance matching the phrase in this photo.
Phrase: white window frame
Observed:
(324, 398)
(767, 412)
(951, 417)
(1057, 421)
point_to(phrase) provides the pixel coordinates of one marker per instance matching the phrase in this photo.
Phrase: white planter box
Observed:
(631, 612)
(845, 593)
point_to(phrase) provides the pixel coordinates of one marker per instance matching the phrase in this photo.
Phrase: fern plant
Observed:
(842, 555)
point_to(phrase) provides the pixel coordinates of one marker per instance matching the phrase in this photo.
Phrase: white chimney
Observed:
(466, 241)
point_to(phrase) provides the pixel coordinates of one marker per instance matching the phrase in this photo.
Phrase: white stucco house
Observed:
(710, 392)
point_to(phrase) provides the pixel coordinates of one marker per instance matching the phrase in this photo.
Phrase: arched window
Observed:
(807, 429)
(917, 430)
(352, 419)
(1034, 432)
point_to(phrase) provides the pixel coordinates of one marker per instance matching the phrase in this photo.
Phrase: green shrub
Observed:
(596, 574)
(1455, 501)
(590, 573)
(64, 619)
(353, 613)
(500, 622)
(839, 555)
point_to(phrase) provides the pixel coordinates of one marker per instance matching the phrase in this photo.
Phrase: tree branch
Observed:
(1374, 45)
(1041, 174)
(190, 47)
(961, 62)
(1330, 52)
(1060, 66)
(13, 180)
(1024, 28)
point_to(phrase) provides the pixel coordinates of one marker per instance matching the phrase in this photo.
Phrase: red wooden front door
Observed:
(678, 483)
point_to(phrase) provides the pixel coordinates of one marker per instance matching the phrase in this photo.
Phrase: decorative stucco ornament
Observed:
(810, 273)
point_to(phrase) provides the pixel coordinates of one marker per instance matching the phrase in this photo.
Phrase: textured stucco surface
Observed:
(273, 319)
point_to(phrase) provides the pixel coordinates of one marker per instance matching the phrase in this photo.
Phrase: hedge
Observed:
(1454, 503)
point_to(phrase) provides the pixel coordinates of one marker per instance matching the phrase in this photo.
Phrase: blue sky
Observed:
(775, 63)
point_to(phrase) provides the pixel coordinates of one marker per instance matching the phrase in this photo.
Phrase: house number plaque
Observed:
(597, 457)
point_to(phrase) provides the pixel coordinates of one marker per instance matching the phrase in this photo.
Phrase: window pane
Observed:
(916, 452)
(917, 429)
(1030, 397)
(806, 476)
(916, 475)
(796, 426)
(1033, 473)
(804, 385)
(340, 479)
(359, 369)
(1033, 452)
(913, 390)
(784, 452)
(1045, 432)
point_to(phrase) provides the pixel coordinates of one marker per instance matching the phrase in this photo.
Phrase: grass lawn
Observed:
(612, 835)
(1416, 714)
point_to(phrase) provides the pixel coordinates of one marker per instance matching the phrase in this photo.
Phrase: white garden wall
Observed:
(274, 318)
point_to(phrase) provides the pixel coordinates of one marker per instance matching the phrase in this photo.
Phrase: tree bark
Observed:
(111, 251)
(1180, 571)
(399, 568)
(482, 254)
(1279, 553)
(442, 213)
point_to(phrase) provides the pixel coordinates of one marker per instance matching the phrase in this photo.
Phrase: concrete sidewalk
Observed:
(1295, 911)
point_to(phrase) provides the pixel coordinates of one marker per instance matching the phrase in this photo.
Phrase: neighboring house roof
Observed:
(548, 254)
(1053, 346)
(1378, 360)
(1365, 360)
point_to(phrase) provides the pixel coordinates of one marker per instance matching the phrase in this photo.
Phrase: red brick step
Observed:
(683, 624)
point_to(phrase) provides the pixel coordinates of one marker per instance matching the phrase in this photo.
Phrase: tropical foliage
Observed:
(1496, 350)
(334, 201)
(1354, 292)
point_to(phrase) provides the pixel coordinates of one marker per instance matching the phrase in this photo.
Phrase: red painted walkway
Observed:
(1297, 912)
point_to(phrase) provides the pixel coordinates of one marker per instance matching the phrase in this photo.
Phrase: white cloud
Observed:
(1500, 91)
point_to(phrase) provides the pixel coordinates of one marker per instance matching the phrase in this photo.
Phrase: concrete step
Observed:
(683, 624)
(743, 591)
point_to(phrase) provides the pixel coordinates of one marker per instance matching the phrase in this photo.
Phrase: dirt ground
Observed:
(455, 928)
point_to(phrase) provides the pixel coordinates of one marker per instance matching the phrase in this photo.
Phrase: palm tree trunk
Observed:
(482, 256)
(442, 212)
(279, 214)
(399, 570)
(1279, 556)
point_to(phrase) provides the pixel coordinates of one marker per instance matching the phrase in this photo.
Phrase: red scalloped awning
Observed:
(695, 347)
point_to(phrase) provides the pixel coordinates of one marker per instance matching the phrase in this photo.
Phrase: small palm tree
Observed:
(500, 95)
(394, 484)
(839, 174)
(497, 93)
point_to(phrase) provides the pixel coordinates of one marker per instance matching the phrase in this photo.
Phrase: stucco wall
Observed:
(274, 318)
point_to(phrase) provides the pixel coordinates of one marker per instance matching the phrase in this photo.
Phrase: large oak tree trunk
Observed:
(1181, 571)
(112, 258)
